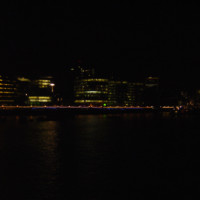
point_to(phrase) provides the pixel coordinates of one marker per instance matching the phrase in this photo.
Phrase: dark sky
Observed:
(128, 40)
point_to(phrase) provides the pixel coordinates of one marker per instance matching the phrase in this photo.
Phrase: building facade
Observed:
(91, 91)
(135, 94)
(105, 92)
(8, 91)
(36, 92)
(117, 93)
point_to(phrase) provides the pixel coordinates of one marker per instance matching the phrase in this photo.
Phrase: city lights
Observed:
(39, 99)
(90, 89)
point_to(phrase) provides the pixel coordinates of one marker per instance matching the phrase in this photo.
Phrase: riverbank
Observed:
(63, 110)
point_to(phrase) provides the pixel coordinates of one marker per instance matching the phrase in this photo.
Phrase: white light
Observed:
(52, 85)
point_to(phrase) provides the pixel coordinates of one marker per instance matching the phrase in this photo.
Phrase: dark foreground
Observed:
(108, 156)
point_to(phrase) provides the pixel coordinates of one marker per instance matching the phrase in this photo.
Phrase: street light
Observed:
(52, 87)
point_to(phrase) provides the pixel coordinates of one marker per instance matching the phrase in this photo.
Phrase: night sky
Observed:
(129, 41)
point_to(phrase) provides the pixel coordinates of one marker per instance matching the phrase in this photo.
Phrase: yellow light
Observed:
(40, 99)
(92, 92)
(43, 81)
(95, 80)
(23, 79)
(90, 101)
(6, 92)
(6, 84)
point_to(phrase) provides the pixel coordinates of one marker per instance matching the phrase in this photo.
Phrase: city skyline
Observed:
(99, 100)
(84, 86)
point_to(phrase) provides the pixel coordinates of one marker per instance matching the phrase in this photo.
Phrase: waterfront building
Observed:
(117, 93)
(123, 93)
(36, 91)
(91, 91)
(8, 91)
(24, 87)
(42, 91)
(105, 92)
(135, 94)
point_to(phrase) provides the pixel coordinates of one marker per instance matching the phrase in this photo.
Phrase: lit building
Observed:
(96, 91)
(123, 93)
(43, 82)
(40, 100)
(8, 91)
(135, 94)
(24, 88)
(91, 91)
(42, 91)
(37, 91)
(117, 93)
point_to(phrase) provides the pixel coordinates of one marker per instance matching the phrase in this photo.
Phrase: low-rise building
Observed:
(36, 91)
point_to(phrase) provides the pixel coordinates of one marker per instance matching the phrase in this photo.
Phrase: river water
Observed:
(125, 156)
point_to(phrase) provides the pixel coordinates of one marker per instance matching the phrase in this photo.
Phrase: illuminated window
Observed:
(39, 99)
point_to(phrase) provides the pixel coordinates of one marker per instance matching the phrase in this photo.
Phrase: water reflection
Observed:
(47, 142)
(96, 156)
(31, 157)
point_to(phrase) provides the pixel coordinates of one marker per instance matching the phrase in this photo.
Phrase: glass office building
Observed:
(91, 91)
(95, 91)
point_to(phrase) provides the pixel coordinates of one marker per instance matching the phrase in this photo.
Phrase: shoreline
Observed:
(65, 110)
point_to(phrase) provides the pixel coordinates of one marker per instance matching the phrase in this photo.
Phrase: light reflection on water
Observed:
(97, 156)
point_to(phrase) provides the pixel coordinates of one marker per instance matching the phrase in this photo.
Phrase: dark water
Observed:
(133, 156)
